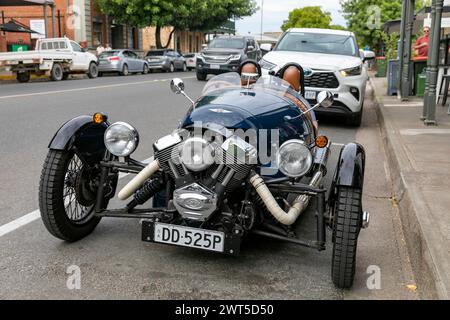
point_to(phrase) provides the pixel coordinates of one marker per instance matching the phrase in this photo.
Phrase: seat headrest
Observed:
(299, 82)
(292, 75)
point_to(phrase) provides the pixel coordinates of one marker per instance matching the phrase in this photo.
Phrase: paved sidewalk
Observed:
(419, 158)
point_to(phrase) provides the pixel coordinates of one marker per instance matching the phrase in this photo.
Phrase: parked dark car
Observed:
(165, 60)
(225, 54)
(122, 61)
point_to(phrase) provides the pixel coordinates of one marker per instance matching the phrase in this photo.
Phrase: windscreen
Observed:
(106, 54)
(155, 53)
(225, 80)
(318, 43)
(230, 43)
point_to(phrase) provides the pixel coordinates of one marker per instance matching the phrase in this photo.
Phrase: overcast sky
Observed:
(276, 11)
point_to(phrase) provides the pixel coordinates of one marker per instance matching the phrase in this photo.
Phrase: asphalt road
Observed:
(114, 263)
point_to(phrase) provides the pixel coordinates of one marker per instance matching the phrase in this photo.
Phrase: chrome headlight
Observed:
(197, 154)
(235, 57)
(266, 64)
(121, 139)
(356, 71)
(294, 158)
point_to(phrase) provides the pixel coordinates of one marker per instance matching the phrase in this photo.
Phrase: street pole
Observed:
(401, 53)
(430, 49)
(45, 19)
(436, 35)
(406, 70)
(53, 20)
(262, 14)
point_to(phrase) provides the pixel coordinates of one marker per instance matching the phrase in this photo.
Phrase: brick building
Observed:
(183, 41)
(79, 20)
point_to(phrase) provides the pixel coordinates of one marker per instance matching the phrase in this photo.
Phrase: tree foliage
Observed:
(180, 14)
(309, 17)
(366, 18)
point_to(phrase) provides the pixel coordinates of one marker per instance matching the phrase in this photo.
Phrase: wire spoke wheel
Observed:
(74, 210)
(67, 196)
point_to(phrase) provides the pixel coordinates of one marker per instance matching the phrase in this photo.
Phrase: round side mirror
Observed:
(177, 85)
(325, 99)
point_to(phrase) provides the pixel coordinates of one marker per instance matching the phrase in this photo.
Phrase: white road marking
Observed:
(20, 222)
(86, 88)
(36, 214)
(415, 132)
(405, 105)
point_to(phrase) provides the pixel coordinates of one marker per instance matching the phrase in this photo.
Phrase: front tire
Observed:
(356, 119)
(171, 68)
(346, 227)
(201, 76)
(145, 71)
(184, 67)
(61, 211)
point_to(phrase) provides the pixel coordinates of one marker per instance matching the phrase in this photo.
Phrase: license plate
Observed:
(310, 95)
(189, 237)
(215, 66)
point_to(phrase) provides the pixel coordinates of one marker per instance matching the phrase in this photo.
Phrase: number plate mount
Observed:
(232, 241)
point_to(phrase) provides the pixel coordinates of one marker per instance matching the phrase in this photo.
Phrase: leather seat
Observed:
(293, 76)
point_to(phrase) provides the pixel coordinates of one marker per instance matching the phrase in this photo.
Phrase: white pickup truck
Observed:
(55, 57)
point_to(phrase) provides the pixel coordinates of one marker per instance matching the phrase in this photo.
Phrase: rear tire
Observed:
(124, 71)
(201, 76)
(93, 70)
(57, 72)
(59, 171)
(23, 77)
(346, 227)
(184, 67)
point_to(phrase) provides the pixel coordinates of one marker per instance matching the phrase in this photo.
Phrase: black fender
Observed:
(350, 166)
(82, 135)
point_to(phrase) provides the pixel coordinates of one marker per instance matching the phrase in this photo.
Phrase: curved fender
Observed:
(351, 165)
(84, 135)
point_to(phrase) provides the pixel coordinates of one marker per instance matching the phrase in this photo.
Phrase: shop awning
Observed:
(14, 26)
(19, 3)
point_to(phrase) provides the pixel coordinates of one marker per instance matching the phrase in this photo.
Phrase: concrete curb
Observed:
(12, 78)
(408, 198)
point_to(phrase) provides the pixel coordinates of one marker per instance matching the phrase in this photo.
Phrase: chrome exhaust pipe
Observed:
(298, 206)
(302, 201)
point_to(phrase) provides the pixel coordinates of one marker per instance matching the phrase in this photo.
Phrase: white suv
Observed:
(332, 61)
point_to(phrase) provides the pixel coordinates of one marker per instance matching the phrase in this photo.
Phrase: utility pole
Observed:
(262, 17)
(434, 58)
(430, 47)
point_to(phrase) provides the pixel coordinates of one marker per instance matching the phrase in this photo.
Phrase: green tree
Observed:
(180, 14)
(367, 17)
(309, 17)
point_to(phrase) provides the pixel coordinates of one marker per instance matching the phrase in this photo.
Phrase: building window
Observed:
(97, 33)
